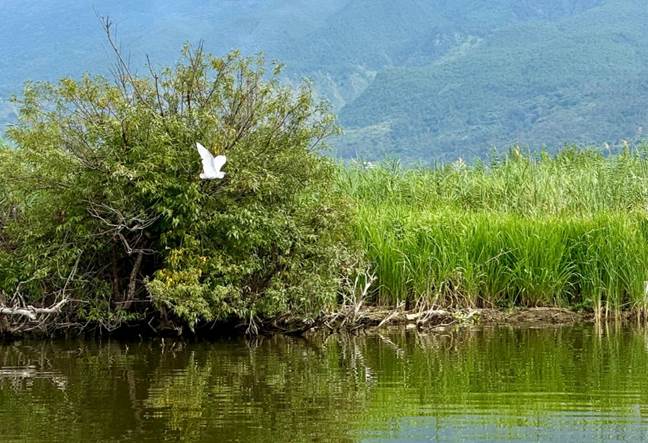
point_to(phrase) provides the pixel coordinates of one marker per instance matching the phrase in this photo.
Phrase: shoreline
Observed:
(378, 318)
(347, 320)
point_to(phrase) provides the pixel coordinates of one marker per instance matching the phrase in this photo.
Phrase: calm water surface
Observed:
(558, 384)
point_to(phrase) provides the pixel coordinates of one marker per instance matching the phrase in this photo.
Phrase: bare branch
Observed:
(123, 71)
(132, 284)
(32, 312)
(118, 224)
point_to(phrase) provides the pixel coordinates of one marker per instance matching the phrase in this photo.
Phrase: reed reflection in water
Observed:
(569, 383)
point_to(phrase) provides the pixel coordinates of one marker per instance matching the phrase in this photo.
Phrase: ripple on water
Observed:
(559, 384)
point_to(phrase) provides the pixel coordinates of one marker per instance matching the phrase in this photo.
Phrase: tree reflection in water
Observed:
(483, 383)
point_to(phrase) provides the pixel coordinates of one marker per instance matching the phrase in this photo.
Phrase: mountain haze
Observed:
(419, 80)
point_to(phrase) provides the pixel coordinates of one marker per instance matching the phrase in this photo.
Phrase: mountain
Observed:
(415, 79)
(577, 78)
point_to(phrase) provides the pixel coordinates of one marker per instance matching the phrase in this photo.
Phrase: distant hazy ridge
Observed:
(417, 79)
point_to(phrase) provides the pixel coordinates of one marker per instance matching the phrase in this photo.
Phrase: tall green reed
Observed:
(525, 230)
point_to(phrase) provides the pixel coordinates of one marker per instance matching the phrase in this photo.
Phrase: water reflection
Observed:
(484, 384)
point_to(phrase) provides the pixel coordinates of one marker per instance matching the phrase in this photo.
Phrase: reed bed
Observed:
(567, 230)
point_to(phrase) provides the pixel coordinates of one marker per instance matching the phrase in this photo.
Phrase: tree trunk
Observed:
(115, 274)
(132, 284)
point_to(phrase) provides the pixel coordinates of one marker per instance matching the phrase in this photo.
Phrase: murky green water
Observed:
(565, 384)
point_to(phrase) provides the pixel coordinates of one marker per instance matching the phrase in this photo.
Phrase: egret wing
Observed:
(219, 162)
(207, 159)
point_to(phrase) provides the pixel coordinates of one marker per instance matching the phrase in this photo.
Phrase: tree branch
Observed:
(132, 284)
(32, 312)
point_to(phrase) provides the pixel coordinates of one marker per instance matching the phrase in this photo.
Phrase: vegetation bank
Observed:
(104, 221)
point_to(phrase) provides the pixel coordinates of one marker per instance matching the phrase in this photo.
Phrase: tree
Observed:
(104, 178)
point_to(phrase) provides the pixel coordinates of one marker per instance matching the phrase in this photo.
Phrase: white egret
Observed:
(211, 164)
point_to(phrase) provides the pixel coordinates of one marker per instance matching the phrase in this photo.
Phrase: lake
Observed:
(487, 384)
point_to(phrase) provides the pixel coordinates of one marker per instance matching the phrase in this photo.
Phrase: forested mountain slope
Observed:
(415, 79)
(578, 79)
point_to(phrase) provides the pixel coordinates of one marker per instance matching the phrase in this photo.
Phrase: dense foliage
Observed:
(417, 80)
(100, 200)
(566, 230)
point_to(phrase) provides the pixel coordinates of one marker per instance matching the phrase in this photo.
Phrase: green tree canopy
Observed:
(101, 196)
